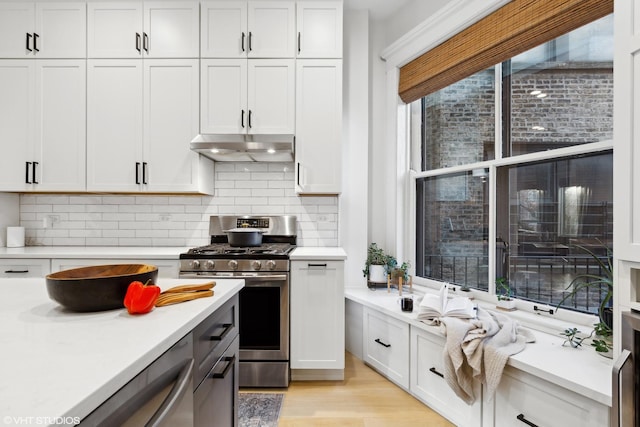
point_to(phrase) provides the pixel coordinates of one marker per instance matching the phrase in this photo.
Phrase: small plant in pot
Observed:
(505, 300)
(376, 265)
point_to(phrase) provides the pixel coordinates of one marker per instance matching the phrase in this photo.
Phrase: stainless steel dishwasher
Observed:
(160, 395)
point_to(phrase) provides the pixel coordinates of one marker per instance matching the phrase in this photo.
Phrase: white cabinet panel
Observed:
(172, 29)
(224, 31)
(224, 96)
(167, 268)
(271, 96)
(16, 29)
(319, 29)
(271, 29)
(114, 30)
(317, 314)
(318, 126)
(429, 385)
(18, 268)
(386, 346)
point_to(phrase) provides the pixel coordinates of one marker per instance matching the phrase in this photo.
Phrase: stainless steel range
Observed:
(264, 301)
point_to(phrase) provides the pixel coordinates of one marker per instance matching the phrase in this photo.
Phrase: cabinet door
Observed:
(271, 27)
(60, 119)
(317, 315)
(171, 99)
(318, 126)
(60, 30)
(18, 268)
(319, 29)
(17, 125)
(171, 29)
(16, 23)
(428, 384)
(386, 346)
(114, 125)
(224, 96)
(167, 268)
(271, 96)
(224, 31)
(114, 29)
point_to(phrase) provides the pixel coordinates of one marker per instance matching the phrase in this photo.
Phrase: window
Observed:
(521, 154)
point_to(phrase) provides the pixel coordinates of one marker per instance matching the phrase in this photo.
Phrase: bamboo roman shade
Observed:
(514, 28)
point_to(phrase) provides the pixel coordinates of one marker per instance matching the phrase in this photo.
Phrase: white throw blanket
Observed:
(479, 349)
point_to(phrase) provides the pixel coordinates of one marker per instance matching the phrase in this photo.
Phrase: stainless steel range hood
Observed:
(245, 148)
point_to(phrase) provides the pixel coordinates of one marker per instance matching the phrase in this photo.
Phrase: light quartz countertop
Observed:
(580, 370)
(58, 363)
(104, 252)
(304, 253)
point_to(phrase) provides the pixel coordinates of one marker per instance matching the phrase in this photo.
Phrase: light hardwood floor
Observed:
(363, 399)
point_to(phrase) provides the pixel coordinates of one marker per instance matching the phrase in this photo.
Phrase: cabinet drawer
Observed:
(167, 268)
(429, 385)
(16, 268)
(522, 397)
(386, 346)
(212, 337)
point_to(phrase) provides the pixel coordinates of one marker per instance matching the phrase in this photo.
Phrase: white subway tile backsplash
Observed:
(162, 220)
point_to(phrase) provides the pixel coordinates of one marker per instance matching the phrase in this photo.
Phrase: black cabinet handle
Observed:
(435, 371)
(382, 344)
(524, 420)
(16, 271)
(242, 120)
(249, 121)
(26, 173)
(227, 328)
(145, 42)
(316, 265)
(298, 174)
(138, 42)
(137, 172)
(29, 42)
(33, 173)
(243, 37)
(144, 173)
(298, 41)
(35, 42)
(250, 36)
(230, 362)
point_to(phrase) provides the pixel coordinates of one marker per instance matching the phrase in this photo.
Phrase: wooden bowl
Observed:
(98, 287)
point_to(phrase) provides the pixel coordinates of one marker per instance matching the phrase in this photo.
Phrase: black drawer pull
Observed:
(33, 173)
(382, 344)
(35, 42)
(28, 42)
(435, 371)
(230, 362)
(317, 265)
(16, 271)
(227, 328)
(524, 420)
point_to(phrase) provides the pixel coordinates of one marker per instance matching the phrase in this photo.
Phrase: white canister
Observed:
(15, 237)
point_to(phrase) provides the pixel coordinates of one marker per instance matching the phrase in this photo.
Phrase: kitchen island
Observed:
(60, 365)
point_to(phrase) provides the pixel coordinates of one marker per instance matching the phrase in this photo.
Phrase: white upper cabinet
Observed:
(319, 29)
(42, 30)
(42, 125)
(254, 96)
(154, 29)
(236, 29)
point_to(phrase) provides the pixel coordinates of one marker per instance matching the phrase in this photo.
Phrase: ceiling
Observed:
(378, 9)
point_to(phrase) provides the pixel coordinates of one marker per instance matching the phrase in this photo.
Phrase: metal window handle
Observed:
(625, 356)
(26, 173)
(16, 271)
(521, 417)
(35, 42)
(33, 173)
(433, 370)
(382, 344)
(29, 42)
(137, 172)
(242, 120)
(243, 37)
(174, 397)
(227, 328)
(144, 173)
(138, 42)
(230, 362)
(145, 42)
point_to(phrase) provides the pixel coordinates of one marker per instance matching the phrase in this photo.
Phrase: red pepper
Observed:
(141, 298)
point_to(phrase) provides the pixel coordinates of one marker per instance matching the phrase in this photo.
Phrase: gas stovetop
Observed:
(224, 250)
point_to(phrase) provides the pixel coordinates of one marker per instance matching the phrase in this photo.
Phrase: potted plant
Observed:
(376, 265)
(505, 300)
(603, 281)
(397, 271)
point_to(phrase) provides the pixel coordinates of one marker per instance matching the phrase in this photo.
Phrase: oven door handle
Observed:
(248, 278)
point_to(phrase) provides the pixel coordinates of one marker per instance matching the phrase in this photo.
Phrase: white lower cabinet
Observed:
(427, 381)
(386, 346)
(522, 399)
(11, 268)
(167, 268)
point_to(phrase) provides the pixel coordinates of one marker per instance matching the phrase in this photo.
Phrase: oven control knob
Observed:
(233, 264)
(271, 264)
(256, 265)
(209, 265)
(195, 264)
